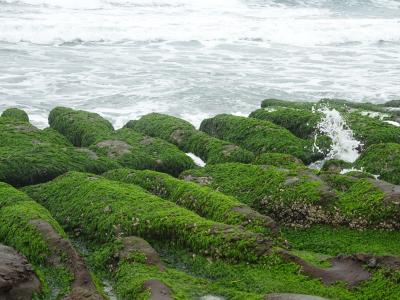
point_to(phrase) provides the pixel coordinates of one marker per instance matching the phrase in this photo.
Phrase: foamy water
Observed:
(194, 59)
(344, 145)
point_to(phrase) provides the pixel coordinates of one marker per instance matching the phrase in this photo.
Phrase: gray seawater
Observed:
(193, 59)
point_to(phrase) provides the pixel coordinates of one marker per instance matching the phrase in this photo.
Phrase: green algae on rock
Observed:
(186, 137)
(289, 196)
(202, 200)
(82, 128)
(280, 160)
(133, 150)
(259, 136)
(21, 166)
(301, 122)
(30, 228)
(102, 209)
(301, 198)
(16, 114)
(138, 272)
(382, 160)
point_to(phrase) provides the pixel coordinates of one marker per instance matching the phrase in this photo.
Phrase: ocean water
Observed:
(194, 58)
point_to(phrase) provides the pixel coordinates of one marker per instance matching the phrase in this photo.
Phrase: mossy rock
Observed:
(102, 209)
(301, 122)
(371, 131)
(259, 136)
(296, 196)
(187, 138)
(382, 160)
(279, 160)
(19, 215)
(15, 114)
(301, 198)
(287, 103)
(336, 165)
(199, 199)
(392, 103)
(134, 150)
(82, 128)
(22, 166)
(17, 133)
(138, 273)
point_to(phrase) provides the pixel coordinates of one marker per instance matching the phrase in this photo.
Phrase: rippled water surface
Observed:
(125, 58)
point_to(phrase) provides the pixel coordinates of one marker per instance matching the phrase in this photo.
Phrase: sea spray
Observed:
(344, 145)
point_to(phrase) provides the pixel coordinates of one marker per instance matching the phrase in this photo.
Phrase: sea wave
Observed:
(61, 22)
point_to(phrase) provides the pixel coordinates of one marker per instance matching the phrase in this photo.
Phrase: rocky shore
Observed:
(299, 200)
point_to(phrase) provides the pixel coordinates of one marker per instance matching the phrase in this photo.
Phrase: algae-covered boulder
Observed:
(300, 197)
(40, 163)
(186, 137)
(335, 165)
(259, 136)
(102, 209)
(29, 228)
(138, 273)
(82, 128)
(134, 150)
(301, 122)
(382, 160)
(202, 200)
(29, 155)
(289, 196)
(371, 130)
(281, 160)
(15, 114)
(126, 147)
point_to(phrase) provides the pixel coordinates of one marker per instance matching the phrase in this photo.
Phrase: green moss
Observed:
(287, 103)
(301, 122)
(21, 166)
(130, 272)
(342, 240)
(372, 130)
(202, 200)
(335, 165)
(15, 114)
(134, 150)
(21, 134)
(300, 197)
(254, 281)
(290, 196)
(187, 138)
(340, 182)
(82, 128)
(279, 160)
(102, 209)
(382, 160)
(259, 136)
(17, 211)
(365, 201)
(392, 103)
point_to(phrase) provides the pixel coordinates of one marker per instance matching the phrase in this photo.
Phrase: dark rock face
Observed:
(17, 278)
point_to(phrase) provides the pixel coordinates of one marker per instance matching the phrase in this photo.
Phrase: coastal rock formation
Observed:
(186, 137)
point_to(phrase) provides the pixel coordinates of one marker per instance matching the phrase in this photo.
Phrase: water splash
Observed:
(344, 145)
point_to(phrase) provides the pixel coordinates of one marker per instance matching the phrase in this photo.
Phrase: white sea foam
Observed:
(344, 145)
(394, 123)
(197, 160)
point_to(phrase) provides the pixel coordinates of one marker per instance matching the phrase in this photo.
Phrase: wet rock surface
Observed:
(18, 281)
